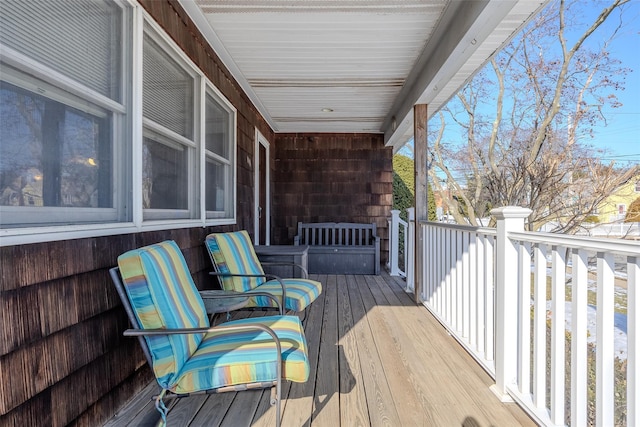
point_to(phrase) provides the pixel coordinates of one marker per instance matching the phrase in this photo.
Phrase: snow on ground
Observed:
(619, 328)
(619, 322)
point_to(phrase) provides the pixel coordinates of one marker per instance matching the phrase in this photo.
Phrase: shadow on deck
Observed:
(376, 359)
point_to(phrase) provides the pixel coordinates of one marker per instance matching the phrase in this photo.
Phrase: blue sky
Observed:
(621, 135)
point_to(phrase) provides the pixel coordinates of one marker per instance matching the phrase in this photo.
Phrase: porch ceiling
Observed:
(368, 61)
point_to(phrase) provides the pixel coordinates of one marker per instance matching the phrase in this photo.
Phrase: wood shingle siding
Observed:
(331, 178)
(61, 326)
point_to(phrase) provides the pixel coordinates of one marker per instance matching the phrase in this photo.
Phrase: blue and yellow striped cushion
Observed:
(163, 295)
(234, 253)
(230, 358)
(300, 293)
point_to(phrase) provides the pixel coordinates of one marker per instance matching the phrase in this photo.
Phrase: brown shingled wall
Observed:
(331, 177)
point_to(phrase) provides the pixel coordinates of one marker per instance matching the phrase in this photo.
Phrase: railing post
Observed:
(394, 242)
(509, 218)
(410, 249)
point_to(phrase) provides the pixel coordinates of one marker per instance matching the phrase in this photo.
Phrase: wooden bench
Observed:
(340, 247)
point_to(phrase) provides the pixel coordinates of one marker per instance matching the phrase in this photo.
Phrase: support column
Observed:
(422, 211)
(509, 218)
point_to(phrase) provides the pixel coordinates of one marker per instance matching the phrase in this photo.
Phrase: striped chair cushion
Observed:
(234, 253)
(230, 358)
(300, 293)
(163, 295)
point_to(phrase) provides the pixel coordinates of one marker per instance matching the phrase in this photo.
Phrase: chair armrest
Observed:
(186, 331)
(281, 305)
(227, 294)
(220, 301)
(305, 273)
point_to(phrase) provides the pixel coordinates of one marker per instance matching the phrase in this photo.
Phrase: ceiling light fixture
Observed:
(327, 110)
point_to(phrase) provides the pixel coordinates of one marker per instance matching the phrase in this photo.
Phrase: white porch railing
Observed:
(553, 318)
(401, 253)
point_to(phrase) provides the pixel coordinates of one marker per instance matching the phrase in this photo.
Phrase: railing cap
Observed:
(510, 212)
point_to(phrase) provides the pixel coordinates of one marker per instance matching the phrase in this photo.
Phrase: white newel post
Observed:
(509, 218)
(409, 249)
(394, 242)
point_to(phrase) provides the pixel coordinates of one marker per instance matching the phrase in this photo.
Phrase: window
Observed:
(164, 179)
(57, 155)
(219, 128)
(170, 183)
(57, 126)
(168, 152)
(67, 152)
(637, 186)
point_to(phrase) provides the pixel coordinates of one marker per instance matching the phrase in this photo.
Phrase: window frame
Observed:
(153, 30)
(232, 182)
(128, 118)
(32, 76)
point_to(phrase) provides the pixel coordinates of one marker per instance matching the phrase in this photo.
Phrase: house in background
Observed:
(614, 208)
(131, 122)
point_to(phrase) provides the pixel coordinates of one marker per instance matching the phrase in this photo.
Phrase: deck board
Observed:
(376, 358)
(353, 400)
(382, 410)
(326, 401)
(398, 352)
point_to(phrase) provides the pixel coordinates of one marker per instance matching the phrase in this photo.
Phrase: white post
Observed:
(633, 352)
(394, 242)
(388, 264)
(509, 218)
(410, 249)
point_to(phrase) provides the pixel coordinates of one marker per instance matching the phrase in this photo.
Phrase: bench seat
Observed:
(340, 247)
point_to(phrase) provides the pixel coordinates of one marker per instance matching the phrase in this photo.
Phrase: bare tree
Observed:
(525, 119)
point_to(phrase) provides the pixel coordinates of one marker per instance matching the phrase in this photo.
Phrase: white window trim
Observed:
(169, 47)
(261, 140)
(59, 88)
(26, 235)
(60, 81)
(233, 152)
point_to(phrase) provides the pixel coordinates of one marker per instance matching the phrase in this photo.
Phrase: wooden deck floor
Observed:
(376, 359)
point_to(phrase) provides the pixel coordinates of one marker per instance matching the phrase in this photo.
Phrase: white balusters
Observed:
(579, 337)
(604, 341)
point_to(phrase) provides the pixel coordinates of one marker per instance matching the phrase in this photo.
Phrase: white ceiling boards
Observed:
(354, 65)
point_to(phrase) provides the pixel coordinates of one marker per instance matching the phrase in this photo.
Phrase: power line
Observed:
(620, 155)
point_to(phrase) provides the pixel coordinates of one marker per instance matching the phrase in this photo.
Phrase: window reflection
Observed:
(52, 154)
(164, 182)
(215, 179)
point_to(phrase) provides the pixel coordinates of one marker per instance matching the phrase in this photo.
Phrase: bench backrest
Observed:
(336, 234)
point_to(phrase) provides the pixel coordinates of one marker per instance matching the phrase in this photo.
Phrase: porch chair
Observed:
(187, 355)
(237, 266)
